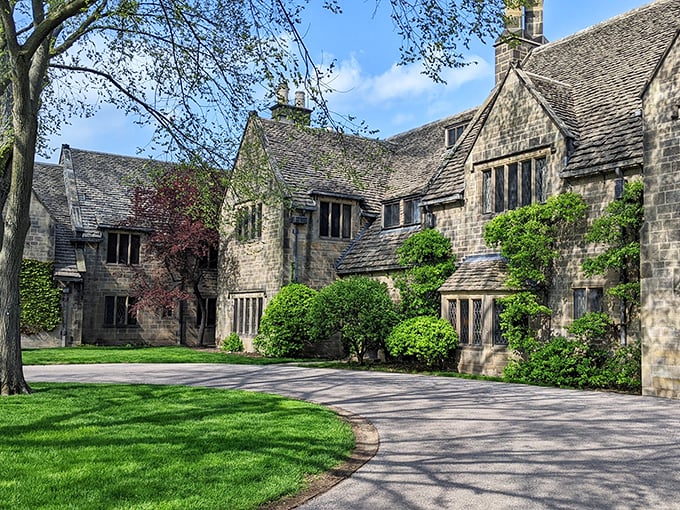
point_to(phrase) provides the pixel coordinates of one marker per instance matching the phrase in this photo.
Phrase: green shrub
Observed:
(572, 363)
(39, 297)
(429, 262)
(558, 362)
(593, 327)
(232, 343)
(359, 308)
(428, 340)
(621, 369)
(284, 327)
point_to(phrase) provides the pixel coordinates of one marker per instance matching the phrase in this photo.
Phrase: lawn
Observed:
(160, 447)
(172, 354)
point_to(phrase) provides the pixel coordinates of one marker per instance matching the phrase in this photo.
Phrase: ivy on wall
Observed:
(40, 299)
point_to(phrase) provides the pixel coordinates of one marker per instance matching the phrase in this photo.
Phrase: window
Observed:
(587, 300)
(526, 183)
(541, 181)
(464, 333)
(247, 315)
(117, 311)
(122, 248)
(453, 315)
(411, 212)
(391, 215)
(498, 338)
(510, 186)
(210, 310)
(335, 220)
(500, 189)
(486, 191)
(477, 321)
(453, 133)
(248, 223)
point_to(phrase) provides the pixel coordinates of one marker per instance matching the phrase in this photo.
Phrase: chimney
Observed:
(523, 32)
(283, 111)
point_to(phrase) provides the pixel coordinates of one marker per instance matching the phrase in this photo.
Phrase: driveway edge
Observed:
(366, 444)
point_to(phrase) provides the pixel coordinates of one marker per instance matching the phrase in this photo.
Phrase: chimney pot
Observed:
(300, 99)
(282, 94)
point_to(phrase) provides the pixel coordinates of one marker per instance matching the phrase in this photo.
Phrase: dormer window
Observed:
(453, 133)
(391, 215)
(411, 212)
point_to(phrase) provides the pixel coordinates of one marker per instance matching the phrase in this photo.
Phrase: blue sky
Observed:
(391, 99)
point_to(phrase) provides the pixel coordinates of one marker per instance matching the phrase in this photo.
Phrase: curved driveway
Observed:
(453, 443)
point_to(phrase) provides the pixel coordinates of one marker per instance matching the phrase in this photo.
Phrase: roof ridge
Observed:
(598, 26)
(546, 78)
(111, 154)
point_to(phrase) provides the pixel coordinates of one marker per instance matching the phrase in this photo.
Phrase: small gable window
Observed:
(453, 133)
(249, 222)
(122, 248)
(335, 220)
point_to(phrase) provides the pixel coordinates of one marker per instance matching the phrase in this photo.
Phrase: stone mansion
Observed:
(582, 114)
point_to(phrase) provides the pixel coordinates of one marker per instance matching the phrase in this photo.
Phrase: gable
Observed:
(517, 122)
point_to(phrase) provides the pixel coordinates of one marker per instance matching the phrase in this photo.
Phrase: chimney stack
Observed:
(296, 113)
(523, 32)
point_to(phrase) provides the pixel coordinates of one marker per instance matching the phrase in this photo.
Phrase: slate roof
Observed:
(607, 67)
(478, 273)
(48, 186)
(375, 250)
(311, 160)
(418, 154)
(104, 184)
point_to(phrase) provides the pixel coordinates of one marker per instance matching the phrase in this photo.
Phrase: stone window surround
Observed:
(247, 310)
(480, 332)
(117, 312)
(335, 219)
(587, 299)
(249, 222)
(123, 253)
(402, 212)
(522, 170)
(453, 133)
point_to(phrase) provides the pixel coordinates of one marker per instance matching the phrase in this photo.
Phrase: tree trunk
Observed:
(204, 313)
(27, 76)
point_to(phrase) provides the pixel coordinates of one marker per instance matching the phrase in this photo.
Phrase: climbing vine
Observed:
(527, 238)
(40, 299)
(429, 262)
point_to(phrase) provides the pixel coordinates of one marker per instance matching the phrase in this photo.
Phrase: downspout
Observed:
(295, 252)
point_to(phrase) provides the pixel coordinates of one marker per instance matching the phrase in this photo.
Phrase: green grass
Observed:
(172, 354)
(73, 446)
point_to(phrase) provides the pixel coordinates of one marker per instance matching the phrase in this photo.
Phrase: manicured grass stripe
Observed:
(171, 354)
(159, 447)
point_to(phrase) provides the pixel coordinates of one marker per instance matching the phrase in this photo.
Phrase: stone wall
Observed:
(40, 243)
(104, 279)
(661, 234)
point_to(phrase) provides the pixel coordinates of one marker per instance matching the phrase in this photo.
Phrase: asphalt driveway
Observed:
(454, 443)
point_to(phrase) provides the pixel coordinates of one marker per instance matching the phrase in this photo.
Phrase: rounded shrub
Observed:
(428, 340)
(232, 343)
(284, 327)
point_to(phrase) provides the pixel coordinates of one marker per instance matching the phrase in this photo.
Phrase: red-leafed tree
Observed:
(181, 207)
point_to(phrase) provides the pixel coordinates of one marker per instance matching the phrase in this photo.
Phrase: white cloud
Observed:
(352, 85)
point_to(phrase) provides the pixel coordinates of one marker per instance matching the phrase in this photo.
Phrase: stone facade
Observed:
(661, 234)
(566, 116)
(78, 208)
